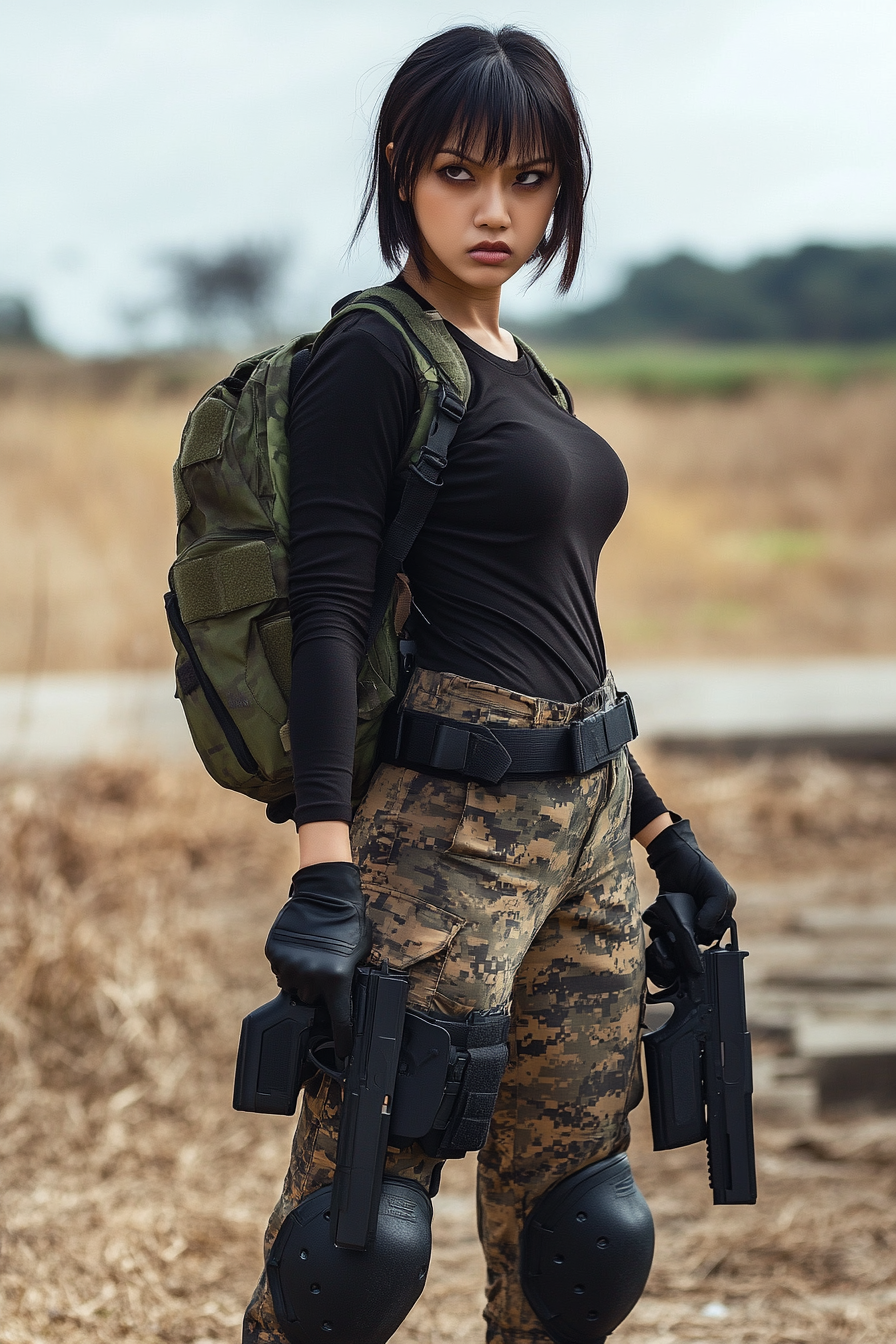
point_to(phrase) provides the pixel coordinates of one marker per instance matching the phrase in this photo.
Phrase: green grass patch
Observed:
(773, 546)
(718, 615)
(714, 370)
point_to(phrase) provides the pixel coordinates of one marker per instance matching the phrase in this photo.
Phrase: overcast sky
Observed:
(728, 127)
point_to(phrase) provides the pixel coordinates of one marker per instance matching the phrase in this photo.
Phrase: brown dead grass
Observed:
(764, 525)
(755, 526)
(86, 529)
(133, 907)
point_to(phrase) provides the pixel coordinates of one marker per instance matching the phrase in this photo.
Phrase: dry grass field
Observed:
(765, 524)
(133, 911)
(756, 524)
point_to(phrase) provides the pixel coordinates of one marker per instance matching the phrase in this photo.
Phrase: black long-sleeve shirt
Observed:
(503, 571)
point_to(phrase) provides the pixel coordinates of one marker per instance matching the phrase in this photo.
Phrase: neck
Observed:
(476, 311)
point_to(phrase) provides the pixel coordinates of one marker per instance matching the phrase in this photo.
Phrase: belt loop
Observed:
(399, 732)
(578, 755)
(450, 748)
(630, 710)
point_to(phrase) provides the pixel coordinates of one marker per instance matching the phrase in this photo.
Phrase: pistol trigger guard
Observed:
(664, 996)
(325, 1068)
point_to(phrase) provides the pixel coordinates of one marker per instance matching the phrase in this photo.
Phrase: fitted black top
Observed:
(503, 572)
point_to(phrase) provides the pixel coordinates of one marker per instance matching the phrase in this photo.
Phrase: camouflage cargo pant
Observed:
(521, 894)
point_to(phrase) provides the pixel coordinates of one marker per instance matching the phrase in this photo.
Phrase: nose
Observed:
(491, 206)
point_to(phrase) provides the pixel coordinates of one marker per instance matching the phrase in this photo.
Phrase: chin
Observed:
(484, 277)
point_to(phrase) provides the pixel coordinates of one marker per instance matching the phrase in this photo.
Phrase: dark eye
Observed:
(530, 178)
(456, 172)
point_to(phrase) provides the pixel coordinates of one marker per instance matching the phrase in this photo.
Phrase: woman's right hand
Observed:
(319, 938)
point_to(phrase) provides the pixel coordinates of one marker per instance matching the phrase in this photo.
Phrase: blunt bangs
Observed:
(490, 95)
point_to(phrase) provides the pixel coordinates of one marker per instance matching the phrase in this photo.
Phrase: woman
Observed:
(511, 905)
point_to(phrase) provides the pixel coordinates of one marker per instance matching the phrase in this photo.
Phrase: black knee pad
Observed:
(326, 1295)
(586, 1252)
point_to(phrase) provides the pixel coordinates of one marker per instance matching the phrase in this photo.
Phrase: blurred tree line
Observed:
(225, 298)
(17, 325)
(817, 293)
(229, 296)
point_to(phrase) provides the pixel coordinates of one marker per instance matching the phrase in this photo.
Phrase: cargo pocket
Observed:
(523, 824)
(376, 819)
(403, 812)
(411, 935)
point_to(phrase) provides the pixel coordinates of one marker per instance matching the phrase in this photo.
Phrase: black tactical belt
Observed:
(478, 752)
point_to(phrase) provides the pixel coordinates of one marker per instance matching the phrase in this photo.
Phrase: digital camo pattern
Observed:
(521, 893)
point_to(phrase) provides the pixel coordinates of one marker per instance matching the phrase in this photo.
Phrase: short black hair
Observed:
(504, 89)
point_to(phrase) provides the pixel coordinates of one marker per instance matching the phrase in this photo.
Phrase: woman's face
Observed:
(481, 222)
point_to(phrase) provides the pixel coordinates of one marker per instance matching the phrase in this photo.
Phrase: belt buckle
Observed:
(473, 751)
(630, 710)
(589, 742)
(450, 748)
(598, 737)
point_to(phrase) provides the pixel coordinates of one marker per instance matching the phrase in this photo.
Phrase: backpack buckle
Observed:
(431, 461)
(450, 403)
(428, 467)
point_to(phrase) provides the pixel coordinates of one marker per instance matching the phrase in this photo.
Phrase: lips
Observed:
(491, 254)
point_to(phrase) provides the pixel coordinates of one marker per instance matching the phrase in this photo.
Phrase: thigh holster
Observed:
(412, 1078)
(446, 1085)
(586, 1252)
(449, 1074)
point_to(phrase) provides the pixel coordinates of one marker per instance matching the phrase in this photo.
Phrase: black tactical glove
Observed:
(681, 866)
(318, 939)
(672, 950)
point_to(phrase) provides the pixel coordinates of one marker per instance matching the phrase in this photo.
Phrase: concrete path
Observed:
(853, 696)
(68, 717)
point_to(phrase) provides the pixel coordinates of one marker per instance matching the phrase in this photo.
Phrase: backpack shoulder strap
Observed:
(553, 385)
(435, 354)
(445, 388)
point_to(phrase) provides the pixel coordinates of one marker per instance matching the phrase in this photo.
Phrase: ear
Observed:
(389, 152)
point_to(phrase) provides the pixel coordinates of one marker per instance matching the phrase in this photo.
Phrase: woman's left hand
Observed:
(680, 865)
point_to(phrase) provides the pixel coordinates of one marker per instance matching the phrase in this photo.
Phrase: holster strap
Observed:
(475, 1070)
(478, 752)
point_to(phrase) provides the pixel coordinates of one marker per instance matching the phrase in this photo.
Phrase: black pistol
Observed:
(699, 1063)
(272, 1062)
(284, 1042)
(379, 1000)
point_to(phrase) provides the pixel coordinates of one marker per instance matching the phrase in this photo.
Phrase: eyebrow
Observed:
(465, 158)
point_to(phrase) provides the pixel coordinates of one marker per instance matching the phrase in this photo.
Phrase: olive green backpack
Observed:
(227, 607)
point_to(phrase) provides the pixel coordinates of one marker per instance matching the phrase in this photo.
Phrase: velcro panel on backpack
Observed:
(276, 640)
(211, 585)
(181, 498)
(206, 432)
